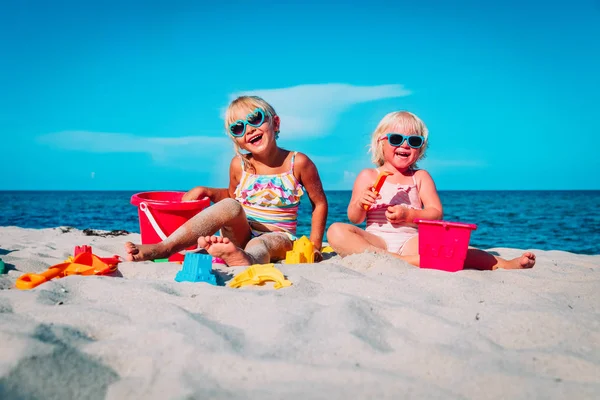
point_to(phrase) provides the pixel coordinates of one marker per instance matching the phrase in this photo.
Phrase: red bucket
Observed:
(161, 213)
(443, 245)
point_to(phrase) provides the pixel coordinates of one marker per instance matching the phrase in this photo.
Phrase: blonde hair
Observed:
(247, 104)
(402, 122)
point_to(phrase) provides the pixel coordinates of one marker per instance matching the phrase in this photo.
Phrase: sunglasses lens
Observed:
(415, 141)
(237, 129)
(395, 139)
(255, 118)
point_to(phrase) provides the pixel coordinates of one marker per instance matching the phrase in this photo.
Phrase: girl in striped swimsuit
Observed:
(399, 141)
(257, 213)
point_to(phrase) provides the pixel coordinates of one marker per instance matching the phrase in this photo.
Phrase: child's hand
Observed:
(199, 192)
(397, 214)
(318, 255)
(368, 198)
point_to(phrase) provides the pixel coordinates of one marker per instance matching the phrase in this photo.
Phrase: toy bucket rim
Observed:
(136, 200)
(444, 223)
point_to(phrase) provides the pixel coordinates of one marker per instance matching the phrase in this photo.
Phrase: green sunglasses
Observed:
(256, 118)
(396, 140)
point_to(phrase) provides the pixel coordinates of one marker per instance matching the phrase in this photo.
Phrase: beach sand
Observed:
(367, 326)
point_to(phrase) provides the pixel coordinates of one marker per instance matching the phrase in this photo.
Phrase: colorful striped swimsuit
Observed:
(271, 200)
(394, 235)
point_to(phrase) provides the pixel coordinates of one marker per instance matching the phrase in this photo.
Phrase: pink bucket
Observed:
(161, 213)
(443, 245)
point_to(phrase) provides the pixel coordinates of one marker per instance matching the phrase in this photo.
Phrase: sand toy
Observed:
(197, 267)
(301, 253)
(1, 266)
(443, 245)
(161, 213)
(327, 249)
(88, 249)
(82, 264)
(378, 184)
(258, 274)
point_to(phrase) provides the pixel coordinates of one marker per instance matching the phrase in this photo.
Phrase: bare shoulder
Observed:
(423, 178)
(366, 177)
(302, 160)
(303, 166)
(235, 163)
(422, 174)
(306, 172)
(235, 166)
(370, 173)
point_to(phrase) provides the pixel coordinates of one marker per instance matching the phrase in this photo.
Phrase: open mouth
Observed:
(402, 153)
(255, 139)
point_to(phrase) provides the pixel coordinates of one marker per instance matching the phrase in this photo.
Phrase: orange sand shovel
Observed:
(378, 184)
(82, 264)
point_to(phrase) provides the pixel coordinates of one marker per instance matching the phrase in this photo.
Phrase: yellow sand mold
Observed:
(258, 274)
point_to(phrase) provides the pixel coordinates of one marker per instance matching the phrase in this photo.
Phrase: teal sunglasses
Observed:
(256, 118)
(396, 140)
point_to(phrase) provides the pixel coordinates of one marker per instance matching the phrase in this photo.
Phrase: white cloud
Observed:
(187, 152)
(312, 110)
(101, 142)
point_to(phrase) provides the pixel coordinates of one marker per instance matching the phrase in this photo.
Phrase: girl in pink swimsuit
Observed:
(408, 193)
(390, 195)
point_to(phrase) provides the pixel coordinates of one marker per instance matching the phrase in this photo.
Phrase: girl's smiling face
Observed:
(256, 139)
(399, 125)
(401, 157)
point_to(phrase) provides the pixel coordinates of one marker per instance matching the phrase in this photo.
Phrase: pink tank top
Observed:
(393, 194)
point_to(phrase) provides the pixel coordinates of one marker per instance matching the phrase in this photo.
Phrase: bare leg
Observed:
(227, 214)
(410, 251)
(348, 239)
(476, 258)
(260, 250)
(480, 259)
(269, 247)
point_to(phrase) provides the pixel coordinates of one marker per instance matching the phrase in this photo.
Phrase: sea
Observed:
(545, 220)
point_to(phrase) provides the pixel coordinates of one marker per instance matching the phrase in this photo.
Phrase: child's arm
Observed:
(308, 176)
(217, 194)
(432, 206)
(362, 195)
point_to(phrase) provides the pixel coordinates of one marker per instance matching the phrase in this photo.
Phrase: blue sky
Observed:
(130, 95)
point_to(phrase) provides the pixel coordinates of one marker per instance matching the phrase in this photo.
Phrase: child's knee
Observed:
(230, 208)
(272, 241)
(256, 242)
(336, 232)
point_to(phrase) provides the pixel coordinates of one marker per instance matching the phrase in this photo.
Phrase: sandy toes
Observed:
(143, 252)
(527, 260)
(218, 246)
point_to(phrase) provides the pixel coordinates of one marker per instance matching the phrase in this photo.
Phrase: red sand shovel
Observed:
(378, 184)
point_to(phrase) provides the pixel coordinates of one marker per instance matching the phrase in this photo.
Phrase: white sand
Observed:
(363, 327)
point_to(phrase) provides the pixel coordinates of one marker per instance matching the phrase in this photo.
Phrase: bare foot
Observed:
(527, 260)
(218, 246)
(143, 252)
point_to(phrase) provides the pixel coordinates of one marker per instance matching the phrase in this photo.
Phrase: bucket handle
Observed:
(146, 210)
(159, 232)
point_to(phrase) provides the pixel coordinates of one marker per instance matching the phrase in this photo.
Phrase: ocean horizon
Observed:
(522, 219)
